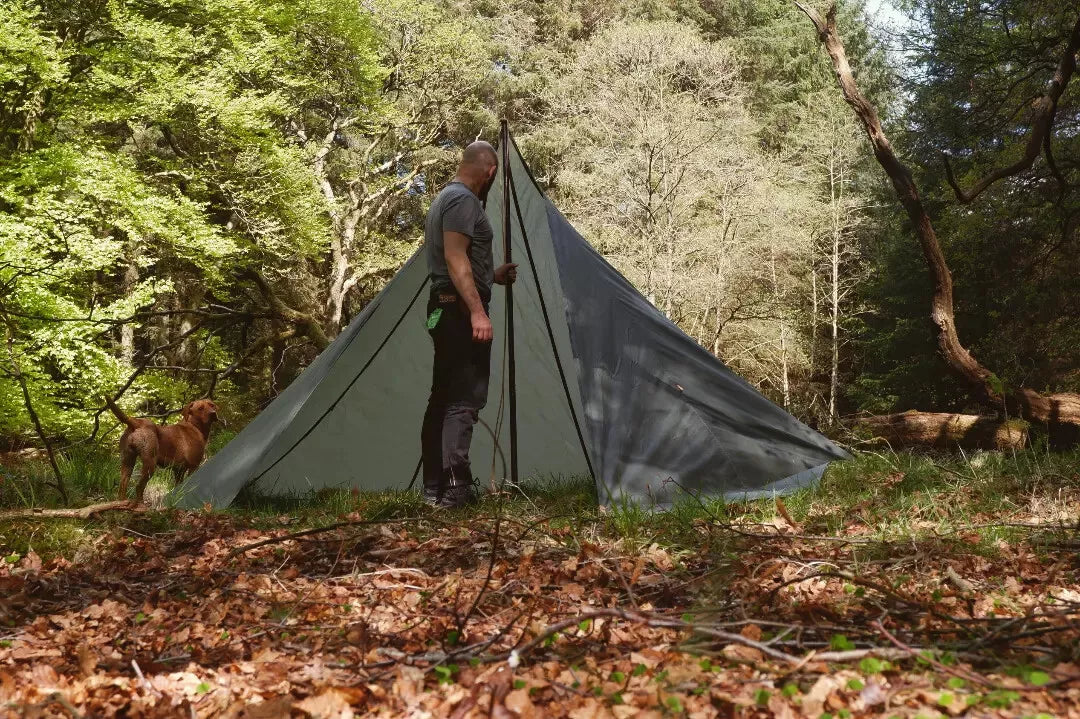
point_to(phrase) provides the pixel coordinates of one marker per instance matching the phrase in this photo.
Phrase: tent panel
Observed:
(547, 442)
(278, 427)
(696, 425)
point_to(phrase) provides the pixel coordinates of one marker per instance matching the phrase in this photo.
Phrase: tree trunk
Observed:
(1053, 410)
(719, 319)
(16, 370)
(190, 295)
(814, 309)
(784, 380)
(277, 361)
(945, 431)
(341, 248)
(836, 197)
(127, 284)
(304, 323)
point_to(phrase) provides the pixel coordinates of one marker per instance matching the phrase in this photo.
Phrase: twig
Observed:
(653, 621)
(968, 676)
(60, 699)
(142, 679)
(490, 570)
(959, 582)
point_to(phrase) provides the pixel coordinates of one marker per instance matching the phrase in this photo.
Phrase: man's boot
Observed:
(432, 495)
(434, 485)
(459, 491)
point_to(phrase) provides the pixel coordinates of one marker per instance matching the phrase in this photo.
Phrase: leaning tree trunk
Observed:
(1060, 412)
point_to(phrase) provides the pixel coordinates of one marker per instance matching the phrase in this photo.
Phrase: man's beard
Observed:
(487, 187)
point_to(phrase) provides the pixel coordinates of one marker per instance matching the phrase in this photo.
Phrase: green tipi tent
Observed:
(606, 386)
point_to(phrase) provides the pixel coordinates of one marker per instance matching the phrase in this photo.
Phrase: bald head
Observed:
(479, 163)
(481, 155)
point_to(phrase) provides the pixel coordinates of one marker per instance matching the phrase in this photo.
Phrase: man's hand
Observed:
(506, 274)
(481, 327)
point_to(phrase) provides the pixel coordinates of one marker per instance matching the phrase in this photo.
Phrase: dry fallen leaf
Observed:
(751, 632)
(742, 653)
(518, 702)
(87, 659)
(814, 701)
(331, 704)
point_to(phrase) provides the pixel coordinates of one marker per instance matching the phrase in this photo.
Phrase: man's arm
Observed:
(456, 250)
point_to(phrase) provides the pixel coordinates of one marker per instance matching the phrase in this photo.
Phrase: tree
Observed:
(1055, 410)
(827, 143)
(650, 150)
(146, 141)
(372, 168)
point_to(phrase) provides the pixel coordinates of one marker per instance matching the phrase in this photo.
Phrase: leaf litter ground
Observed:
(839, 603)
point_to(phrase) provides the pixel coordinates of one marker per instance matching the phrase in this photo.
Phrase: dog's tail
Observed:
(119, 413)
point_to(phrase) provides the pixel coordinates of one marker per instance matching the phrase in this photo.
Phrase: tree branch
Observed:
(304, 323)
(1042, 121)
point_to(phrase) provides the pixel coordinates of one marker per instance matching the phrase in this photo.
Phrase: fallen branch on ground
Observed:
(317, 530)
(649, 620)
(944, 430)
(75, 513)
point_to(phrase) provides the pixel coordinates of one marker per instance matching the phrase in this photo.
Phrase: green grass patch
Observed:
(887, 496)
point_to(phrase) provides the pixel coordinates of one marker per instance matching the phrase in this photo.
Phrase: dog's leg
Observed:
(127, 464)
(178, 474)
(149, 464)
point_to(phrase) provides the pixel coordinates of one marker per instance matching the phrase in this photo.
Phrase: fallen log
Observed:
(75, 513)
(944, 430)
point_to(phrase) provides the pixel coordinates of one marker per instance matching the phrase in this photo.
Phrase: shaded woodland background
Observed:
(195, 197)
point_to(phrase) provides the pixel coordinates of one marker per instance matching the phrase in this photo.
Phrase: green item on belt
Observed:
(433, 318)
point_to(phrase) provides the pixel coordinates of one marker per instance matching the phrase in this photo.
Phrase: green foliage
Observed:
(145, 160)
(872, 665)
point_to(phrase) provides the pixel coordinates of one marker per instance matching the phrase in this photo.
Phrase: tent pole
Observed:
(511, 372)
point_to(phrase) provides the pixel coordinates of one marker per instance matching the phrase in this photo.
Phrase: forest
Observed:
(864, 209)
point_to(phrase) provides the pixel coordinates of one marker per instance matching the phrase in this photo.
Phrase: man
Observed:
(457, 237)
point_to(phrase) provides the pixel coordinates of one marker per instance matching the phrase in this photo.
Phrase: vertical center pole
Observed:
(511, 371)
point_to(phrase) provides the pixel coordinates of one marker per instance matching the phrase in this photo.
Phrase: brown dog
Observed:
(180, 446)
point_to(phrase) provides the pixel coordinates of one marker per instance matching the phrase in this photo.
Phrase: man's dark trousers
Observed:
(459, 388)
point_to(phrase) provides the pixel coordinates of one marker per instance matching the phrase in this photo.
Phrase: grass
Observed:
(887, 496)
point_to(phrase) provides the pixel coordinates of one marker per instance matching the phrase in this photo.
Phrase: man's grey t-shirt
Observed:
(457, 209)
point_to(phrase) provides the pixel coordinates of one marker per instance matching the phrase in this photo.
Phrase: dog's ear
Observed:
(186, 411)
